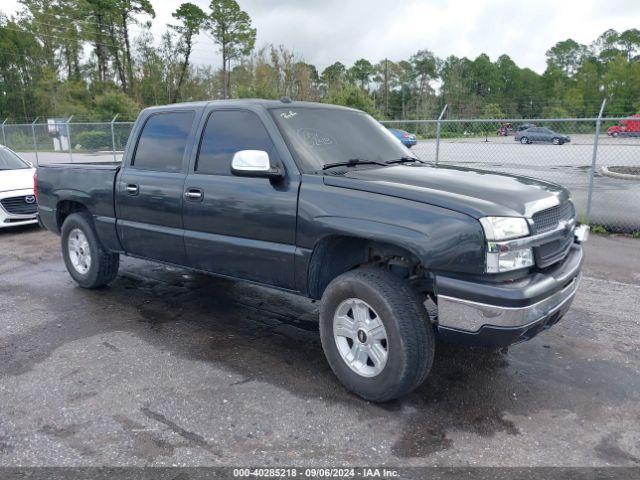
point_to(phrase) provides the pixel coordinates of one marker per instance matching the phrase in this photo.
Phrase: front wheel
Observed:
(90, 265)
(376, 334)
(557, 141)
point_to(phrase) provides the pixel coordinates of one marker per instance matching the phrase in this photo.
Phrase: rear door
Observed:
(239, 226)
(150, 187)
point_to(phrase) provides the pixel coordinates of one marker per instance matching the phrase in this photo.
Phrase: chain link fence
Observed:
(64, 141)
(600, 170)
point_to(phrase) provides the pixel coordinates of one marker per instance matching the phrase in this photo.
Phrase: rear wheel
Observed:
(524, 140)
(376, 334)
(87, 261)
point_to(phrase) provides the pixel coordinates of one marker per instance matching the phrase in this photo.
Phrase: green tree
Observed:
(629, 41)
(566, 56)
(232, 31)
(192, 19)
(492, 110)
(361, 72)
(127, 11)
(333, 76)
(425, 67)
(354, 97)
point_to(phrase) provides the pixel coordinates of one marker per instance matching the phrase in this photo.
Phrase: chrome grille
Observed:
(19, 205)
(548, 220)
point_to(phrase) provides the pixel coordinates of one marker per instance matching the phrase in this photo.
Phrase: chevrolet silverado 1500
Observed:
(325, 202)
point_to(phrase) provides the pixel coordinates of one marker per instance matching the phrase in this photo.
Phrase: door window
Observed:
(162, 143)
(227, 132)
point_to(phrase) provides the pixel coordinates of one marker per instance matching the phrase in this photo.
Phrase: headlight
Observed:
(504, 261)
(504, 228)
(499, 258)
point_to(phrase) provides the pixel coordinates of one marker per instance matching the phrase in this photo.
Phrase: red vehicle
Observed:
(629, 127)
(505, 129)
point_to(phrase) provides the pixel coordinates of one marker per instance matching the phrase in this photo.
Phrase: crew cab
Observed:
(324, 201)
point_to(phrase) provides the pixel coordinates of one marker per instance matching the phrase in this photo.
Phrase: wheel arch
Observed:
(64, 208)
(336, 254)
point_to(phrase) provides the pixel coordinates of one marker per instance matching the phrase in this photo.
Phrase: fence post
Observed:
(69, 138)
(438, 133)
(594, 160)
(4, 137)
(35, 143)
(113, 137)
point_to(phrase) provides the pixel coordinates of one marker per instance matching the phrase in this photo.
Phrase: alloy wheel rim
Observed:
(360, 337)
(79, 251)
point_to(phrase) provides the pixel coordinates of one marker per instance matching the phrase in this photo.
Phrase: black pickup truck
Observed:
(325, 202)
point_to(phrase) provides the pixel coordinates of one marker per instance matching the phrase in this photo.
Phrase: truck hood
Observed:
(477, 193)
(16, 179)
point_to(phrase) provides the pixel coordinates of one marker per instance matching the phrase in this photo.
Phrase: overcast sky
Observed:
(324, 31)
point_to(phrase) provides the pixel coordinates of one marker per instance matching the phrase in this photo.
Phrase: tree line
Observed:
(97, 58)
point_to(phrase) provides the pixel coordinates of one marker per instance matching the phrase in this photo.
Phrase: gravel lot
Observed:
(170, 368)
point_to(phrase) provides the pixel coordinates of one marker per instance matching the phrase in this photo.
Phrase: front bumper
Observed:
(8, 219)
(500, 314)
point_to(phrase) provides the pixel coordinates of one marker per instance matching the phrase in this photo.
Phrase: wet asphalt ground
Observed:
(166, 367)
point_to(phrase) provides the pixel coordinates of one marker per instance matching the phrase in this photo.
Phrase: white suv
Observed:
(18, 203)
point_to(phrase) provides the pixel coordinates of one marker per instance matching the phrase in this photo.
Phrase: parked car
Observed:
(505, 130)
(407, 139)
(541, 134)
(320, 200)
(629, 127)
(18, 204)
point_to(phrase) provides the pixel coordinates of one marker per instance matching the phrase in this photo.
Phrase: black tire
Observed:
(410, 336)
(104, 264)
(557, 141)
(524, 140)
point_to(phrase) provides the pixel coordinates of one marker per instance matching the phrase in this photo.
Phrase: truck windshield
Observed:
(322, 136)
(11, 161)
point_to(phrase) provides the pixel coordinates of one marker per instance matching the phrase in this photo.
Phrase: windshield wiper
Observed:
(404, 160)
(352, 163)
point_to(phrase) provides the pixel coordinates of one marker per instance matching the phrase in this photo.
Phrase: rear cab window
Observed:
(163, 141)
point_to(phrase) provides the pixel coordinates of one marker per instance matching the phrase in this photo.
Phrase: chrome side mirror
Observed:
(254, 163)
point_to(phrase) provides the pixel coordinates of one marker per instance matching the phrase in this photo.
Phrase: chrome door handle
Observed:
(132, 189)
(194, 194)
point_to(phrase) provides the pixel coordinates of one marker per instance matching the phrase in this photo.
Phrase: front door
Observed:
(238, 226)
(149, 191)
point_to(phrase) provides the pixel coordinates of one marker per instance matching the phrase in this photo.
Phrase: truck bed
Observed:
(62, 183)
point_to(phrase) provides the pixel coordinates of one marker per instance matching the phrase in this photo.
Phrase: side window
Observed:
(227, 132)
(162, 142)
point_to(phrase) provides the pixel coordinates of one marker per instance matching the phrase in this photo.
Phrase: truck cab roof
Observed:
(249, 103)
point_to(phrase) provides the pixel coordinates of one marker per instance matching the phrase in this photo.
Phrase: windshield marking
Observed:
(315, 138)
